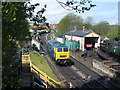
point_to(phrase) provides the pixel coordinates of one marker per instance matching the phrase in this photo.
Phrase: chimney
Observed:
(83, 28)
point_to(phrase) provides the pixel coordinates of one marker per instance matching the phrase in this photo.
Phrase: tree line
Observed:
(73, 22)
(15, 29)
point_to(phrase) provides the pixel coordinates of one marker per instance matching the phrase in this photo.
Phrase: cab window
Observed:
(65, 49)
(59, 50)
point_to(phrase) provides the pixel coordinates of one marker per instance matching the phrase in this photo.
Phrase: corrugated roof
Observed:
(78, 33)
(60, 36)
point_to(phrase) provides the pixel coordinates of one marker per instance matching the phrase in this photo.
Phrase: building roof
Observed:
(85, 33)
(60, 36)
(78, 33)
(104, 38)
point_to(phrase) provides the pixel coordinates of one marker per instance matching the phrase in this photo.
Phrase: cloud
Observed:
(54, 8)
(104, 11)
(54, 12)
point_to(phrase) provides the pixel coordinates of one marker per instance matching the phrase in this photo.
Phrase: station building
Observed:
(87, 39)
(80, 39)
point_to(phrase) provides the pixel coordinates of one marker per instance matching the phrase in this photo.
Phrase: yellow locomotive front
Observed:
(59, 52)
(62, 54)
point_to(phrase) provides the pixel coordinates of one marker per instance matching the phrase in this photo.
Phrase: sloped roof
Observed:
(34, 37)
(104, 38)
(60, 36)
(78, 33)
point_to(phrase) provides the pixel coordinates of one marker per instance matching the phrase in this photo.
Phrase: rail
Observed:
(106, 61)
(112, 64)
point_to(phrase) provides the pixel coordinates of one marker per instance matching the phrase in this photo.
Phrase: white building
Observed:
(87, 39)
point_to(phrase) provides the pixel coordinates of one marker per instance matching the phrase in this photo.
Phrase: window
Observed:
(59, 49)
(65, 49)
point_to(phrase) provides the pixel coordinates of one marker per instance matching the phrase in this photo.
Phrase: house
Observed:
(86, 38)
(54, 26)
(36, 41)
(104, 38)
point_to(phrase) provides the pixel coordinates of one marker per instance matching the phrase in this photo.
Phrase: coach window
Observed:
(59, 49)
(65, 49)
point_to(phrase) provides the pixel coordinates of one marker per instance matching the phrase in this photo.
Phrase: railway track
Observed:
(71, 77)
(94, 84)
(105, 55)
(67, 73)
(94, 76)
(74, 77)
(78, 82)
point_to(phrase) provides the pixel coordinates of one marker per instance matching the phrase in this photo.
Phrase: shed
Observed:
(88, 39)
(102, 38)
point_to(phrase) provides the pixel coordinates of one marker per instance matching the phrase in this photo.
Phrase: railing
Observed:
(27, 75)
(25, 58)
(47, 78)
(41, 74)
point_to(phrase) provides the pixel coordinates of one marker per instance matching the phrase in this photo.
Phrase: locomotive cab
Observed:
(62, 53)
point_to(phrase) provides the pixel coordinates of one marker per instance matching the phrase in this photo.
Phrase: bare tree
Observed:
(77, 5)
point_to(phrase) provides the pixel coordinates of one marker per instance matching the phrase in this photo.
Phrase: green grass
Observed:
(39, 61)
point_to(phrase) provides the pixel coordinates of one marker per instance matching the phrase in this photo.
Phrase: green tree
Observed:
(118, 30)
(113, 32)
(102, 28)
(70, 22)
(88, 22)
(15, 28)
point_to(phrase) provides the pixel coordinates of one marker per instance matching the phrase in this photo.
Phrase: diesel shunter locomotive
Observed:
(59, 52)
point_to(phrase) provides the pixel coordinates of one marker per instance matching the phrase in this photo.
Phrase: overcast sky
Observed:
(106, 10)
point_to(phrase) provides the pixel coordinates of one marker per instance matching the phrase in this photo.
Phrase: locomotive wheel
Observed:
(110, 54)
(56, 62)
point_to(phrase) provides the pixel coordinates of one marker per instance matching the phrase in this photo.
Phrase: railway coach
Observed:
(111, 47)
(59, 52)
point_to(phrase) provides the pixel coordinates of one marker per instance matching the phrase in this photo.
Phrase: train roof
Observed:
(112, 42)
(56, 43)
(78, 33)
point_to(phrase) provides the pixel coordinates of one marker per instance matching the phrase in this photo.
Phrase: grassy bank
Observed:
(39, 61)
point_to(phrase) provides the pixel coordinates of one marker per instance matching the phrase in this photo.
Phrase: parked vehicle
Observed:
(111, 47)
(59, 52)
